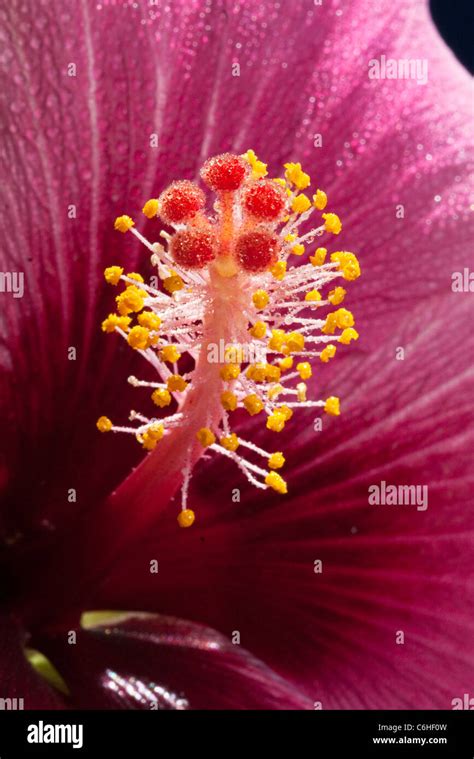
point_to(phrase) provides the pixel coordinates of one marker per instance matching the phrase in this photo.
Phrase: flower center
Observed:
(226, 323)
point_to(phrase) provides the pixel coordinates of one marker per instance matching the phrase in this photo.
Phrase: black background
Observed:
(455, 21)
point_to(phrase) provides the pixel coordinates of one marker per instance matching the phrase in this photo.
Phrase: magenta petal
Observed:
(18, 680)
(146, 661)
(250, 565)
(84, 140)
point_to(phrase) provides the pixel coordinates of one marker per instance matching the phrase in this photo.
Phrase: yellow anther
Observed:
(155, 430)
(112, 274)
(313, 296)
(301, 203)
(332, 407)
(113, 321)
(186, 518)
(253, 404)
(139, 338)
(332, 223)
(286, 363)
(294, 342)
(286, 412)
(344, 318)
(173, 283)
(298, 249)
(319, 256)
(176, 383)
(351, 271)
(347, 335)
(153, 336)
(328, 352)
(304, 370)
(152, 436)
(278, 270)
(258, 330)
(148, 443)
(274, 481)
(256, 372)
(329, 327)
(336, 296)
(130, 300)
(149, 320)
(135, 276)
(272, 373)
(276, 460)
(230, 442)
(277, 339)
(290, 238)
(297, 176)
(161, 397)
(260, 299)
(320, 200)
(123, 223)
(301, 392)
(170, 353)
(206, 437)
(104, 424)
(280, 181)
(341, 318)
(274, 391)
(228, 400)
(259, 169)
(230, 372)
(276, 421)
(348, 264)
(150, 209)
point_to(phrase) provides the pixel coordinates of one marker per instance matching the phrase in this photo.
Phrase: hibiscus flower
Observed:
(314, 598)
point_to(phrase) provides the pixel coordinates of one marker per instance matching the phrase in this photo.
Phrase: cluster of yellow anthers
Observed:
(223, 280)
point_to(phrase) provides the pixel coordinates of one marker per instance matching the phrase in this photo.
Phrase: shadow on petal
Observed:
(144, 661)
(20, 685)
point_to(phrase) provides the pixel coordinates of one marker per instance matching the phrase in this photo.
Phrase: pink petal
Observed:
(250, 565)
(405, 261)
(85, 140)
(154, 662)
(90, 135)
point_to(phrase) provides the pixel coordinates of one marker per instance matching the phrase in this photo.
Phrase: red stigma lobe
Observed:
(193, 248)
(180, 202)
(256, 251)
(224, 172)
(265, 200)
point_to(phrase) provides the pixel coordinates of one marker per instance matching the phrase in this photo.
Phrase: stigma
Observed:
(243, 306)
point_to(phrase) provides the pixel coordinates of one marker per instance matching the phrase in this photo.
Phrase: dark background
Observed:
(455, 21)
